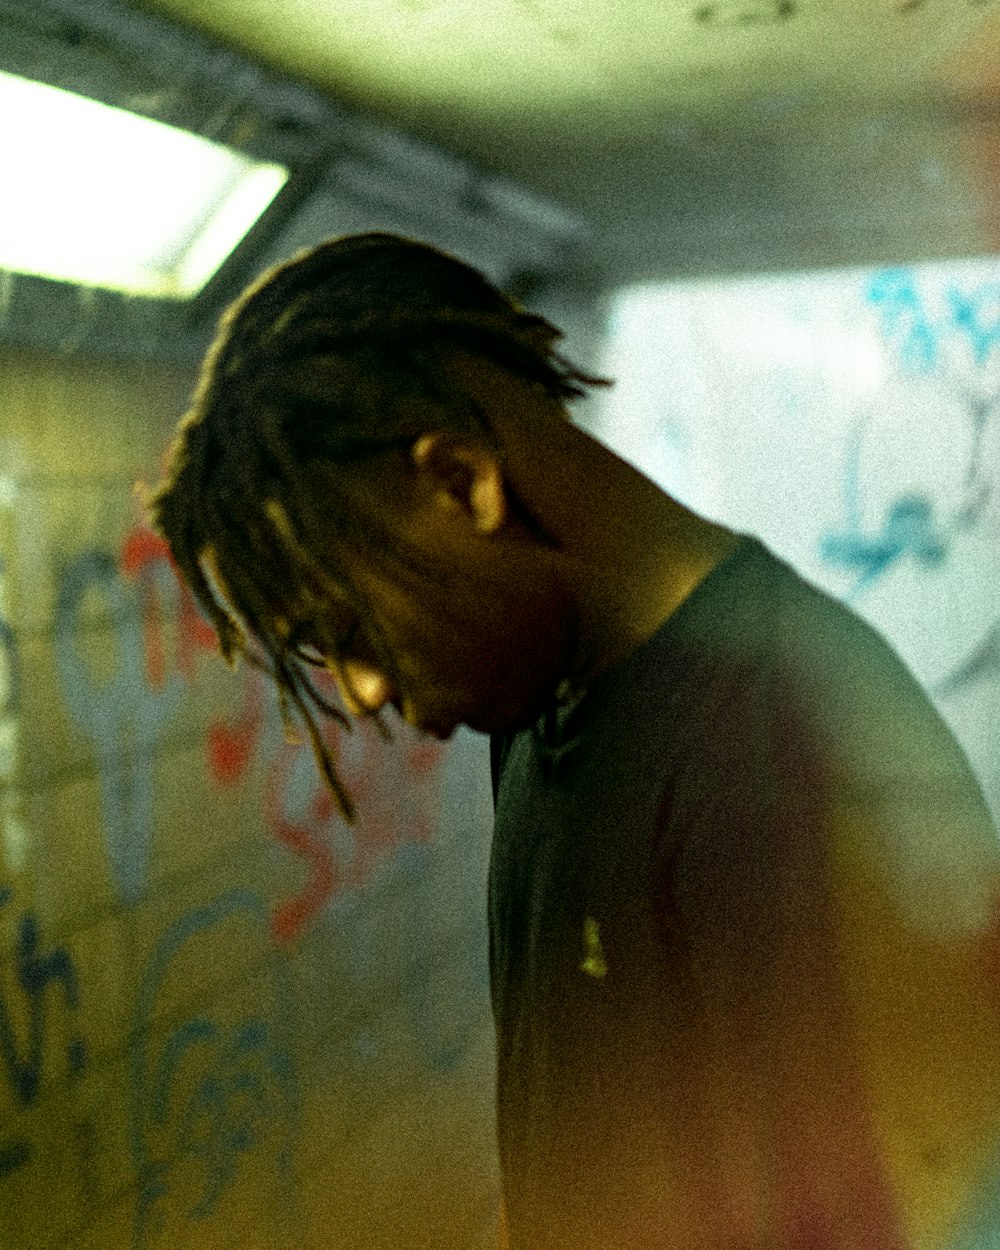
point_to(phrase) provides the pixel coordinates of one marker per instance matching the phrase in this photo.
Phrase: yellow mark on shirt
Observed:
(594, 963)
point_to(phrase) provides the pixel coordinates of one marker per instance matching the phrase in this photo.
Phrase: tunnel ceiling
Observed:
(581, 99)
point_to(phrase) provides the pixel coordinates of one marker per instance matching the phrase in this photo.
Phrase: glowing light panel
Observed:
(101, 197)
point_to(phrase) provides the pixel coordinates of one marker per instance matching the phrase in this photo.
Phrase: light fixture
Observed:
(101, 197)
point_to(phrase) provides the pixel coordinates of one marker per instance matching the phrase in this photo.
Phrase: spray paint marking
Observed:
(207, 1094)
(745, 12)
(956, 344)
(10, 670)
(36, 971)
(304, 838)
(145, 559)
(396, 800)
(925, 338)
(911, 6)
(981, 664)
(14, 1156)
(123, 717)
(231, 744)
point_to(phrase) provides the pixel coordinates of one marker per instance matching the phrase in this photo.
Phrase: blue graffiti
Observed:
(981, 664)
(745, 12)
(14, 1156)
(123, 718)
(246, 1082)
(910, 527)
(10, 668)
(922, 336)
(924, 341)
(35, 972)
(911, 6)
(977, 314)
(10, 686)
(904, 319)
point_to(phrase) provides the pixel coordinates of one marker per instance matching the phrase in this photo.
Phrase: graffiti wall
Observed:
(227, 1019)
(851, 419)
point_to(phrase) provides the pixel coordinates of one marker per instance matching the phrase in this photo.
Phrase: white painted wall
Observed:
(851, 419)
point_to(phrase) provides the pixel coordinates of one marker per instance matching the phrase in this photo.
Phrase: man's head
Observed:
(337, 491)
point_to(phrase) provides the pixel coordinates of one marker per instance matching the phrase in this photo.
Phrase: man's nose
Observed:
(365, 688)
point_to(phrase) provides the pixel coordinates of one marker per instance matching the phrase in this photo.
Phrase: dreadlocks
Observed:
(326, 362)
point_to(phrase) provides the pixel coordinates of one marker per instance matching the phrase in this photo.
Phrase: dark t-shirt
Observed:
(742, 939)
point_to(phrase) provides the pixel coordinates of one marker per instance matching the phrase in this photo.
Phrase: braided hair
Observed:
(325, 362)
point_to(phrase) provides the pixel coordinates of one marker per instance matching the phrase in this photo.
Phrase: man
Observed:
(743, 885)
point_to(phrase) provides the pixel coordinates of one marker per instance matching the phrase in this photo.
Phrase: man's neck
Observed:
(631, 554)
(625, 552)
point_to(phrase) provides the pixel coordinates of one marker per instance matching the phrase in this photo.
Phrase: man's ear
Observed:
(463, 475)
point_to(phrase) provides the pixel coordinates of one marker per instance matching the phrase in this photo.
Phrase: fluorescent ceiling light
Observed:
(101, 197)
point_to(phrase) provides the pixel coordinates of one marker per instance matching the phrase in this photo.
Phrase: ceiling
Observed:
(629, 110)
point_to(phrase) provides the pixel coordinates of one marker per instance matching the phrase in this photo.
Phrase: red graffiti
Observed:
(143, 555)
(421, 761)
(394, 786)
(305, 839)
(231, 743)
(394, 789)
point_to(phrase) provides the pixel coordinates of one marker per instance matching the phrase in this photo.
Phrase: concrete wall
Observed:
(225, 1018)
